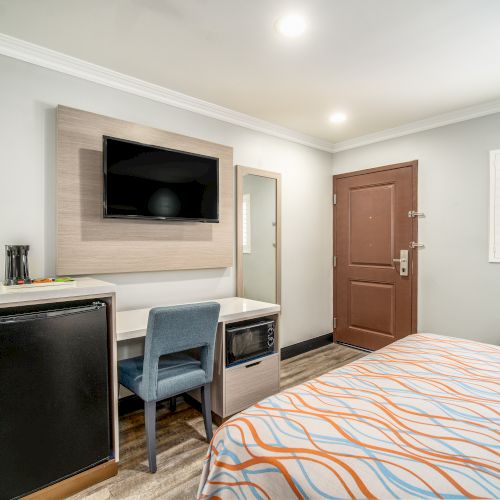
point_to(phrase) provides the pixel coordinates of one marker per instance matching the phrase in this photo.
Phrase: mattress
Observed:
(417, 419)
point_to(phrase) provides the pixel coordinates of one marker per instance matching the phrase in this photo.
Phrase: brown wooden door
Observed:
(373, 304)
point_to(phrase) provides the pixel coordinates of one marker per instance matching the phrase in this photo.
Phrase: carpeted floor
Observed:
(181, 444)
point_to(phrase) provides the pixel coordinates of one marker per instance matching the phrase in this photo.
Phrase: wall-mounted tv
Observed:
(151, 182)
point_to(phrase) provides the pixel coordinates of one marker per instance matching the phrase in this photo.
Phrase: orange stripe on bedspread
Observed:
(416, 419)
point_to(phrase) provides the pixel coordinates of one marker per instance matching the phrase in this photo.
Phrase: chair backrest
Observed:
(179, 328)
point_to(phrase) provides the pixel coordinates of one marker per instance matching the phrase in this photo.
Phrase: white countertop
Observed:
(132, 324)
(79, 287)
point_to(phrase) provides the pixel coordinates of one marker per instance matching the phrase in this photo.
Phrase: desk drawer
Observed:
(248, 384)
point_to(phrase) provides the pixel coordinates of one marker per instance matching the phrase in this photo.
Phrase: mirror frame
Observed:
(241, 171)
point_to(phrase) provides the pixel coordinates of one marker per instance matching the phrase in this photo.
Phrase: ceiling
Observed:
(384, 63)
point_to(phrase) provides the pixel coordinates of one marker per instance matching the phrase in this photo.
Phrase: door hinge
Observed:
(334, 261)
(334, 199)
(334, 323)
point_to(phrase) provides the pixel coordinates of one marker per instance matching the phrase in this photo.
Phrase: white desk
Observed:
(232, 388)
(79, 288)
(132, 324)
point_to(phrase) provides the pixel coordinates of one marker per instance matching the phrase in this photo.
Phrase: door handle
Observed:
(253, 364)
(403, 262)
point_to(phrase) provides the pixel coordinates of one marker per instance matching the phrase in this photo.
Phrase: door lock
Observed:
(403, 262)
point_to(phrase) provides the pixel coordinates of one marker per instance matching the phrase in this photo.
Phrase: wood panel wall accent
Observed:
(89, 244)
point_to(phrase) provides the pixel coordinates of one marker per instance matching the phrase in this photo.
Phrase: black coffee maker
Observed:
(16, 265)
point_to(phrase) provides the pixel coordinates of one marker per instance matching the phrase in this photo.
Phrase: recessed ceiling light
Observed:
(291, 26)
(338, 117)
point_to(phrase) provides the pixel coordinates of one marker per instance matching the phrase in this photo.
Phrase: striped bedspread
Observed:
(417, 419)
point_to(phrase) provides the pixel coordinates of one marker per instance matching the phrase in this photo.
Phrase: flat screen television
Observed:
(151, 182)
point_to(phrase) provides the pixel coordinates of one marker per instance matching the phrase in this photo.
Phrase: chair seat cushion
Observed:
(177, 373)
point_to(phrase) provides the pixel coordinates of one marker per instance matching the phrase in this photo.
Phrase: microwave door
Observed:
(247, 344)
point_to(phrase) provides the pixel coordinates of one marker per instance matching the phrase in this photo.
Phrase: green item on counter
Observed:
(63, 279)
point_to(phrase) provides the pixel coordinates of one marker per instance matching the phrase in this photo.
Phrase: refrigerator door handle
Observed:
(18, 318)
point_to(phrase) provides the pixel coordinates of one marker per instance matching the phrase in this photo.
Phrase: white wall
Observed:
(28, 97)
(459, 291)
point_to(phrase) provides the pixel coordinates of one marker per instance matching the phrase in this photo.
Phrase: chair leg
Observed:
(150, 421)
(172, 404)
(206, 408)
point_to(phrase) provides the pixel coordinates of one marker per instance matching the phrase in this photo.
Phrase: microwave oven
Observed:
(246, 341)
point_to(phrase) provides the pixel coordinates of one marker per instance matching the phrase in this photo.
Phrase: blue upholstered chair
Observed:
(166, 370)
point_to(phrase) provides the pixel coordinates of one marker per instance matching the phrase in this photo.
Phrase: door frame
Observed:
(414, 252)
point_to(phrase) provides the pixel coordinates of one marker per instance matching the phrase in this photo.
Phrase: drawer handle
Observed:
(253, 364)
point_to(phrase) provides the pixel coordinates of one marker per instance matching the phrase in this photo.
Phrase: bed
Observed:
(419, 418)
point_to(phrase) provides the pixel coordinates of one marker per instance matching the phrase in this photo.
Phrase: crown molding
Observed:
(437, 121)
(57, 61)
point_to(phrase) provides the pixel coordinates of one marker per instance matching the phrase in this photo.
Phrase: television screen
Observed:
(150, 182)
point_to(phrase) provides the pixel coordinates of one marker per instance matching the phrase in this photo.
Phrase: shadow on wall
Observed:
(49, 188)
(159, 288)
(166, 277)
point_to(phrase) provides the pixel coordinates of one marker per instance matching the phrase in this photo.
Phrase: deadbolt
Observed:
(403, 262)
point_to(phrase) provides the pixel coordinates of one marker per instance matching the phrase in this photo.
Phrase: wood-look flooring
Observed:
(180, 438)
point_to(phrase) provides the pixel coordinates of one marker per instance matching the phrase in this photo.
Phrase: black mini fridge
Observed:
(54, 394)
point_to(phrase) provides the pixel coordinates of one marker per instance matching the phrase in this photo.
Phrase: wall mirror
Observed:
(259, 234)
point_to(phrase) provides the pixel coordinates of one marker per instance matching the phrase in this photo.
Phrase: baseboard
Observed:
(293, 350)
(79, 482)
